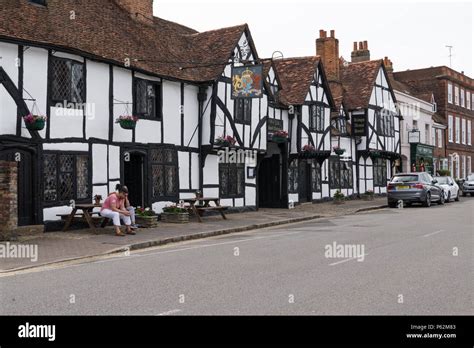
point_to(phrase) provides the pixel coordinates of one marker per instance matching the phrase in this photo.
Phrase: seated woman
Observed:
(113, 208)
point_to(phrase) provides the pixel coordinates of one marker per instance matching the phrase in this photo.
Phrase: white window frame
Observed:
(469, 132)
(464, 166)
(472, 101)
(462, 98)
(450, 93)
(433, 136)
(468, 100)
(440, 137)
(469, 165)
(450, 129)
(457, 130)
(427, 134)
(463, 130)
(456, 95)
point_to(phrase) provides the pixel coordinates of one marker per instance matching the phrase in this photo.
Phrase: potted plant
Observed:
(444, 172)
(174, 214)
(127, 122)
(97, 199)
(368, 195)
(307, 151)
(34, 122)
(280, 136)
(225, 141)
(339, 151)
(146, 218)
(339, 197)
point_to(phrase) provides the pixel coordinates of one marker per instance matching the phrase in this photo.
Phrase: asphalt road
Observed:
(408, 268)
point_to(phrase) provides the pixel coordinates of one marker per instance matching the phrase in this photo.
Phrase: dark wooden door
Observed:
(134, 179)
(304, 182)
(26, 194)
(269, 183)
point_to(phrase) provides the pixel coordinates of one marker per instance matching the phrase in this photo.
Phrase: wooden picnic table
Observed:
(205, 205)
(86, 214)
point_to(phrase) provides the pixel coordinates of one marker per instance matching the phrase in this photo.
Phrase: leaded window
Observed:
(340, 174)
(316, 118)
(293, 177)
(148, 99)
(380, 172)
(67, 81)
(231, 180)
(164, 172)
(243, 110)
(315, 176)
(385, 124)
(65, 177)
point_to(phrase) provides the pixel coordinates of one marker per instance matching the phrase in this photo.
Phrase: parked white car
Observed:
(450, 188)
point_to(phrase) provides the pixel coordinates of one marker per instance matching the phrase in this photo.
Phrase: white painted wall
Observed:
(97, 114)
(122, 94)
(172, 112)
(8, 108)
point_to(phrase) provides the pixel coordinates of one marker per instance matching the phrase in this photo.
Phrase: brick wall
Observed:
(144, 9)
(8, 198)
(328, 49)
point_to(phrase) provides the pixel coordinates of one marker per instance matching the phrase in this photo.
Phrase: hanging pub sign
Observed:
(359, 125)
(414, 137)
(247, 81)
(274, 125)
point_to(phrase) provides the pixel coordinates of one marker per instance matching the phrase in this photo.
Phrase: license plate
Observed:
(403, 187)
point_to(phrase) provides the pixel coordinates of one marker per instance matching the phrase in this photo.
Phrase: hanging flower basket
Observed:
(34, 122)
(339, 151)
(375, 154)
(280, 137)
(127, 122)
(225, 141)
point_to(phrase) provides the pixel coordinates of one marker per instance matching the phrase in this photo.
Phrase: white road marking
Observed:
(346, 260)
(433, 233)
(174, 311)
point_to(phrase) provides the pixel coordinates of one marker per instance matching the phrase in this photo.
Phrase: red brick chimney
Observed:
(388, 65)
(361, 53)
(141, 10)
(328, 49)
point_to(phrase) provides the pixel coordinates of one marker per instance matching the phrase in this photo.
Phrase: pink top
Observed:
(113, 198)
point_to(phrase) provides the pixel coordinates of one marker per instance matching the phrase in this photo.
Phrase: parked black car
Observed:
(414, 188)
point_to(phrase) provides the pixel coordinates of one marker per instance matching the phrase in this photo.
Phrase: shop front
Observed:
(421, 158)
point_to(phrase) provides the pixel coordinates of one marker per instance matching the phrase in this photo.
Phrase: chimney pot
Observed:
(355, 46)
(321, 33)
(366, 45)
(333, 35)
(361, 45)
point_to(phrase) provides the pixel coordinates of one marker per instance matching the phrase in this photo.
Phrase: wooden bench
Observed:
(96, 214)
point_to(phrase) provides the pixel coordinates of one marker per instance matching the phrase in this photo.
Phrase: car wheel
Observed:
(441, 199)
(448, 200)
(427, 202)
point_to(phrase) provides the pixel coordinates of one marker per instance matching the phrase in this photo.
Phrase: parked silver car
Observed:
(414, 188)
(468, 185)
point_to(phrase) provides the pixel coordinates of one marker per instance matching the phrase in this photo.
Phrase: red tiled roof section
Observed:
(358, 80)
(296, 75)
(103, 29)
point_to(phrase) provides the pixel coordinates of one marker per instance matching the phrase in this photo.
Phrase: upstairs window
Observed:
(67, 81)
(463, 122)
(440, 138)
(243, 110)
(316, 118)
(469, 132)
(450, 129)
(450, 93)
(458, 130)
(39, 2)
(148, 99)
(468, 100)
(386, 124)
(456, 95)
(462, 98)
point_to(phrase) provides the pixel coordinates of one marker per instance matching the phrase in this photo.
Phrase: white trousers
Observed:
(131, 210)
(116, 217)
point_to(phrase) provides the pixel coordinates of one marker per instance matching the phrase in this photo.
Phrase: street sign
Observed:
(414, 137)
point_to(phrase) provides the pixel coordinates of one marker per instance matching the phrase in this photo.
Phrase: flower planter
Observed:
(37, 125)
(175, 218)
(279, 139)
(147, 221)
(127, 124)
(339, 152)
(224, 144)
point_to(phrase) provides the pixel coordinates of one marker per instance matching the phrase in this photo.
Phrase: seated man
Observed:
(113, 208)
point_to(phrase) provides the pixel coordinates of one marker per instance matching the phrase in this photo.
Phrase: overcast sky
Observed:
(413, 34)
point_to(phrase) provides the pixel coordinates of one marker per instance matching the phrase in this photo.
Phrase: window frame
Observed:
(224, 192)
(293, 176)
(174, 196)
(456, 95)
(158, 104)
(450, 128)
(316, 172)
(241, 115)
(469, 132)
(450, 93)
(59, 201)
(462, 97)
(338, 180)
(69, 98)
(457, 123)
(318, 118)
(380, 178)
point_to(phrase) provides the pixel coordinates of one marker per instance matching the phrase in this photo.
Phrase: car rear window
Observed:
(405, 178)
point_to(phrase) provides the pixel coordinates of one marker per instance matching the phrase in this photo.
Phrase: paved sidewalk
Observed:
(57, 247)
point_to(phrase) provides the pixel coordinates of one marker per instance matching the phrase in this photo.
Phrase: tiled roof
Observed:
(295, 75)
(103, 29)
(358, 80)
